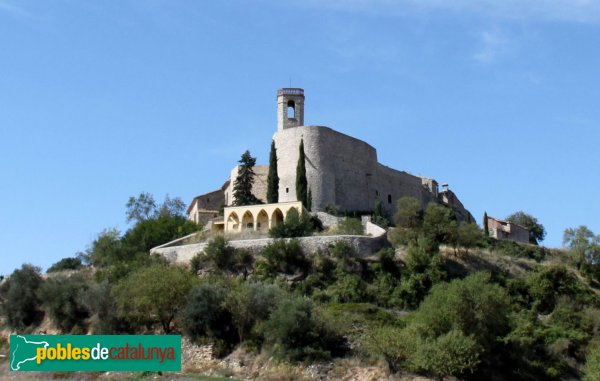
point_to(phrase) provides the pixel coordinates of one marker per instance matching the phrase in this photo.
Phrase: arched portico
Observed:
(258, 217)
(262, 221)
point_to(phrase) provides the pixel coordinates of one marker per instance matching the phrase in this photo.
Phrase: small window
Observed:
(389, 198)
(207, 200)
(376, 193)
(287, 190)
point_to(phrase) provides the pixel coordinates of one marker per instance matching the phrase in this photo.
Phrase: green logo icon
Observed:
(95, 353)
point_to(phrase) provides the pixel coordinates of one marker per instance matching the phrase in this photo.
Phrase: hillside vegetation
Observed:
(444, 300)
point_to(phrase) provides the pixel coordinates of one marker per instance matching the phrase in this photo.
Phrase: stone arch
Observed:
(262, 220)
(232, 222)
(276, 217)
(247, 221)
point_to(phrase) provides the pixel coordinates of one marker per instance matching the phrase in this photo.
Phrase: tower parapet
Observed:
(290, 108)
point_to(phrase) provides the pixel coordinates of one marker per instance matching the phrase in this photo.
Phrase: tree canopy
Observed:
(273, 177)
(537, 233)
(301, 182)
(242, 185)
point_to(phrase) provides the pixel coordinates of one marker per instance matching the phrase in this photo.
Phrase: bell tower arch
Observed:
(290, 108)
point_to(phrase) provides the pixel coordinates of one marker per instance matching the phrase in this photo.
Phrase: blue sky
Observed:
(101, 100)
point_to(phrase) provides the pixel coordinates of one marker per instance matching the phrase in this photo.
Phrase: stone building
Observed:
(342, 171)
(501, 229)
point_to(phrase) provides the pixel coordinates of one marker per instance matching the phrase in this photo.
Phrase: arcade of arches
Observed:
(257, 217)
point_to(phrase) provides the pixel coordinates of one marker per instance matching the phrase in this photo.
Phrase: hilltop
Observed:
(441, 300)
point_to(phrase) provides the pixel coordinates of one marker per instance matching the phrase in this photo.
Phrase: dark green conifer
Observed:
(273, 177)
(301, 182)
(242, 186)
(485, 224)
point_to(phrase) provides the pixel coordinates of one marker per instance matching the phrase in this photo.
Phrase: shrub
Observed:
(392, 343)
(205, 315)
(153, 294)
(424, 268)
(20, 302)
(351, 226)
(437, 222)
(218, 255)
(592, 366)
(381, 290)
(349, 288)
(450, 354)
(295, 226)
(63, 298)
(473, 305)
(282, 257)
(294, 332)
(251, 303)
(548, 283)
(73, 263)
(102, 307)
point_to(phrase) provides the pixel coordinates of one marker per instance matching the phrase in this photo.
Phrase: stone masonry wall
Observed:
(364, 245)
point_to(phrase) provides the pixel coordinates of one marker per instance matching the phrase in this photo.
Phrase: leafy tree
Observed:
(18, 296)
(282, 257)
(219, 255)
(424, 268)
(106, 249)
(140, 208)
(295, 332)
(70, 263)
(409, 221)
(251, 303)
(102, 307)
(153, 232)
(548, 283)
(464, 234)
(584, 244)
(205, 314)
(156, 292)
(64, 299)
(409, 214)
(473, 305)
(436, 222)
(171, 207)
(537, 233)
(273, 177)
(242, 186)
(301, 182)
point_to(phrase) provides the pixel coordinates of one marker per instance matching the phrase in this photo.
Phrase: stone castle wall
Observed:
(344, 172)
(338, 167)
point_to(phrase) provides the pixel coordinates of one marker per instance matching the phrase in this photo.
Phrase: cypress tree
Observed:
(378, 209)
(301, 182)
(485, 224)
(242, 186)
(309, 200)
(273, 178)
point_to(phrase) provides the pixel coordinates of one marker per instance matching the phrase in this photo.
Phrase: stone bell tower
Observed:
(290, 108)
